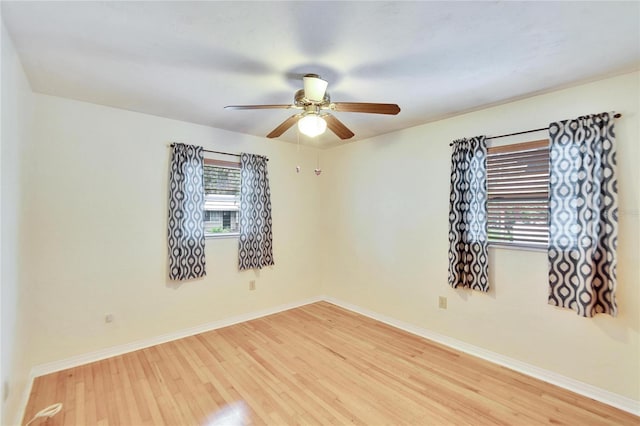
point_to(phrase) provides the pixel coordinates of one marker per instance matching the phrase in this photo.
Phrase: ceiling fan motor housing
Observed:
(301, 101)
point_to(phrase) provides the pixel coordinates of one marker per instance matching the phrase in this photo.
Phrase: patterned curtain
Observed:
(186, 221)
(255, 248)
(468, 255)
(583, 215)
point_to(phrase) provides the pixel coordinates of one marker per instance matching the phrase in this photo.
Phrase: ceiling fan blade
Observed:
(337, 127)
(284, 126)
(391, 109)
(258, 106)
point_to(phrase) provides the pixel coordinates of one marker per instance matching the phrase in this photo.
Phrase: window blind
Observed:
(221, 177)
(518, 188)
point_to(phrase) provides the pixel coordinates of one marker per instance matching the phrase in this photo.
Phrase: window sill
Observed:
(516, 247)
(222, 236)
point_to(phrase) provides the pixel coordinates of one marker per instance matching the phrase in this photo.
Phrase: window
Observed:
(221, 197)
(518, 188)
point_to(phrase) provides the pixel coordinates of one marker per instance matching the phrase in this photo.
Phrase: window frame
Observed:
(517, 150)
(225, 164)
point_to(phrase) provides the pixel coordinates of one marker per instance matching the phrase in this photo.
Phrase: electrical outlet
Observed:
(5, 391)
(108, 318)
(442, 302)
(252, 285)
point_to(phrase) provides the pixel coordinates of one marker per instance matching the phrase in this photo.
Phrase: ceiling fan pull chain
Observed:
(318, 170)
(298, 149)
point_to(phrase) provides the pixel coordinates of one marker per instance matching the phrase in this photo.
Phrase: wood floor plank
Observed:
(90, 416)
(314, 365)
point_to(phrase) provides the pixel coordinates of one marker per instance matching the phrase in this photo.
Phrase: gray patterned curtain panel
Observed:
(186, 201)
(255, 247)
(468, 257)
(583, 215)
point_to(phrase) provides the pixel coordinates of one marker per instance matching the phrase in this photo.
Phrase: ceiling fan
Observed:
(313, 101)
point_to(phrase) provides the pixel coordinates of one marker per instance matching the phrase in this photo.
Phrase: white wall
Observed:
(96, 211)
(386, 240)
(16, 124)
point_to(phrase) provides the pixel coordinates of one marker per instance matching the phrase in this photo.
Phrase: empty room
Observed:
(310, 213)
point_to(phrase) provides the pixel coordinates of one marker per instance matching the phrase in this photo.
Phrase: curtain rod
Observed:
(529, 131)
(218, 152)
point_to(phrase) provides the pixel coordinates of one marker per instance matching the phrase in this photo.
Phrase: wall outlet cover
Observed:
(442, 302)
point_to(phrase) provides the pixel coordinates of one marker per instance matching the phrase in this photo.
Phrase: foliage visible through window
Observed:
(518, 188)
(222, 197)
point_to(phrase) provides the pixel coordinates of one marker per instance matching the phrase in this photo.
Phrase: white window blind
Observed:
(518, 188)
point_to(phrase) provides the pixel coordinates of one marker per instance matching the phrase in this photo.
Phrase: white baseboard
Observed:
(627, 404)
(590, 391)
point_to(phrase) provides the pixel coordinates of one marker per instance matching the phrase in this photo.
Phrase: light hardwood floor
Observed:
(317, 364)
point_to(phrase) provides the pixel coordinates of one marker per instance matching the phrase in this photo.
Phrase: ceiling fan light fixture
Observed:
(312, 125)
(314, 88)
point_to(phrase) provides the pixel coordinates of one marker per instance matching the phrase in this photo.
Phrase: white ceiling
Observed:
(187, 60)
